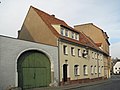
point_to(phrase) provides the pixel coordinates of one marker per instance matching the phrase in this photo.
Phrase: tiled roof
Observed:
(50, 20)
(98, 44)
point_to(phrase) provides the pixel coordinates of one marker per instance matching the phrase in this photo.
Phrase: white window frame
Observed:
(76, 70)
(99, 70)
(93, 55)
(79, 53)
(92, 70)
(95, 69)
(62, 31)
(66, 33)
(65, 49)
(76, 36)
(72, 35)
(72, 51)
(85, 70)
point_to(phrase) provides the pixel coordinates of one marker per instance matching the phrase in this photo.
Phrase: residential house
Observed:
(116, 66)
(79, 58)
(101, 39)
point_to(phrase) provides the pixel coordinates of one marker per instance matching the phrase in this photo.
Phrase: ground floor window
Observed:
(76, 70)
(92, 70)
(85, 70)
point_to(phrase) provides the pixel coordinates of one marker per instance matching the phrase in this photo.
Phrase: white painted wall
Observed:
(116, 68)
(11, 49)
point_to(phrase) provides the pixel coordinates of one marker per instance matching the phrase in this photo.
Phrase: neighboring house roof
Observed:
(104, 33)
(51, 19)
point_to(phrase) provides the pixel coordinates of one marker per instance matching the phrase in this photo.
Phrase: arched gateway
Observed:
(34, 70)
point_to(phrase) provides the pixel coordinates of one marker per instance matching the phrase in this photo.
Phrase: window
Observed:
(85, 53)
(101, 57)
(65, 49)
(66, 32)
(98, 56)
(72, 51)
(92, 70)
(92, 55)
(95, 68)
(77, 36)
(79, 53)
(99, 70)
(95, 56)
(76, 70)
(85, 71)
(62, 31)
(73, 35)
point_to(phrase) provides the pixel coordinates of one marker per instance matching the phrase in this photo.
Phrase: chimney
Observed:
(53, 15)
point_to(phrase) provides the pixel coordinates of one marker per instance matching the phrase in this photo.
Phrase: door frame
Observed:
(65, 72)
(18, 58)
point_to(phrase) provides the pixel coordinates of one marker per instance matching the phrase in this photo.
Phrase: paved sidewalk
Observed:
(73, 86)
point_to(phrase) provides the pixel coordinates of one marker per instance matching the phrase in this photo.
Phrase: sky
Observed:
(103, 13)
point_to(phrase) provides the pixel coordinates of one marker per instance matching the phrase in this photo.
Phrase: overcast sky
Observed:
(103, 13)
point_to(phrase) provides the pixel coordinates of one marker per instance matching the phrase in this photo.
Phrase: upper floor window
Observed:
(65, 51)
(62, 31)
(66, 33)
(85, 70)
(98, 56)
(72, 51)
(73, 35)
(76, 70)
(85, 53)
(95, 55)
(92, 55)
(101, 57)
(77, 36)
(79, 53)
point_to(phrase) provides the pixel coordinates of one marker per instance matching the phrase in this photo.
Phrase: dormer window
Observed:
(77, 36)
(62, 31)
(73, 35)
(69, 33)
(66, 33)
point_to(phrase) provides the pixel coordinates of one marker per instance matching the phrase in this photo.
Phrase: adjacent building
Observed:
(116, 66)
(101, 40)
(80, 58)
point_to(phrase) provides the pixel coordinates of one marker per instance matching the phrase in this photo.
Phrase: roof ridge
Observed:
(48, 14)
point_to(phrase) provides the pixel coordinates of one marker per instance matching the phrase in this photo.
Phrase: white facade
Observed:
(116, 68)
(11, 49)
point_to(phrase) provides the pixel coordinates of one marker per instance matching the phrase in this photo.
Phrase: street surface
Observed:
(111, 84)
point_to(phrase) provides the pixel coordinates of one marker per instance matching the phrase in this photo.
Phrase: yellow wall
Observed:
(95, 34)
(34, 29)
(75, 60)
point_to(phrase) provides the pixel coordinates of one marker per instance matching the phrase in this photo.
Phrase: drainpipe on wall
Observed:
(59, 62)
(98, 66)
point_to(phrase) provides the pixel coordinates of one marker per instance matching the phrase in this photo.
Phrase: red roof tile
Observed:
(50, 20)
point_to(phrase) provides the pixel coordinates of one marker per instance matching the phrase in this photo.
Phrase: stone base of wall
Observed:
(80, 81)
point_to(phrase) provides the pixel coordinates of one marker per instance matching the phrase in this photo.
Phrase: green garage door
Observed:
(33, 70)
